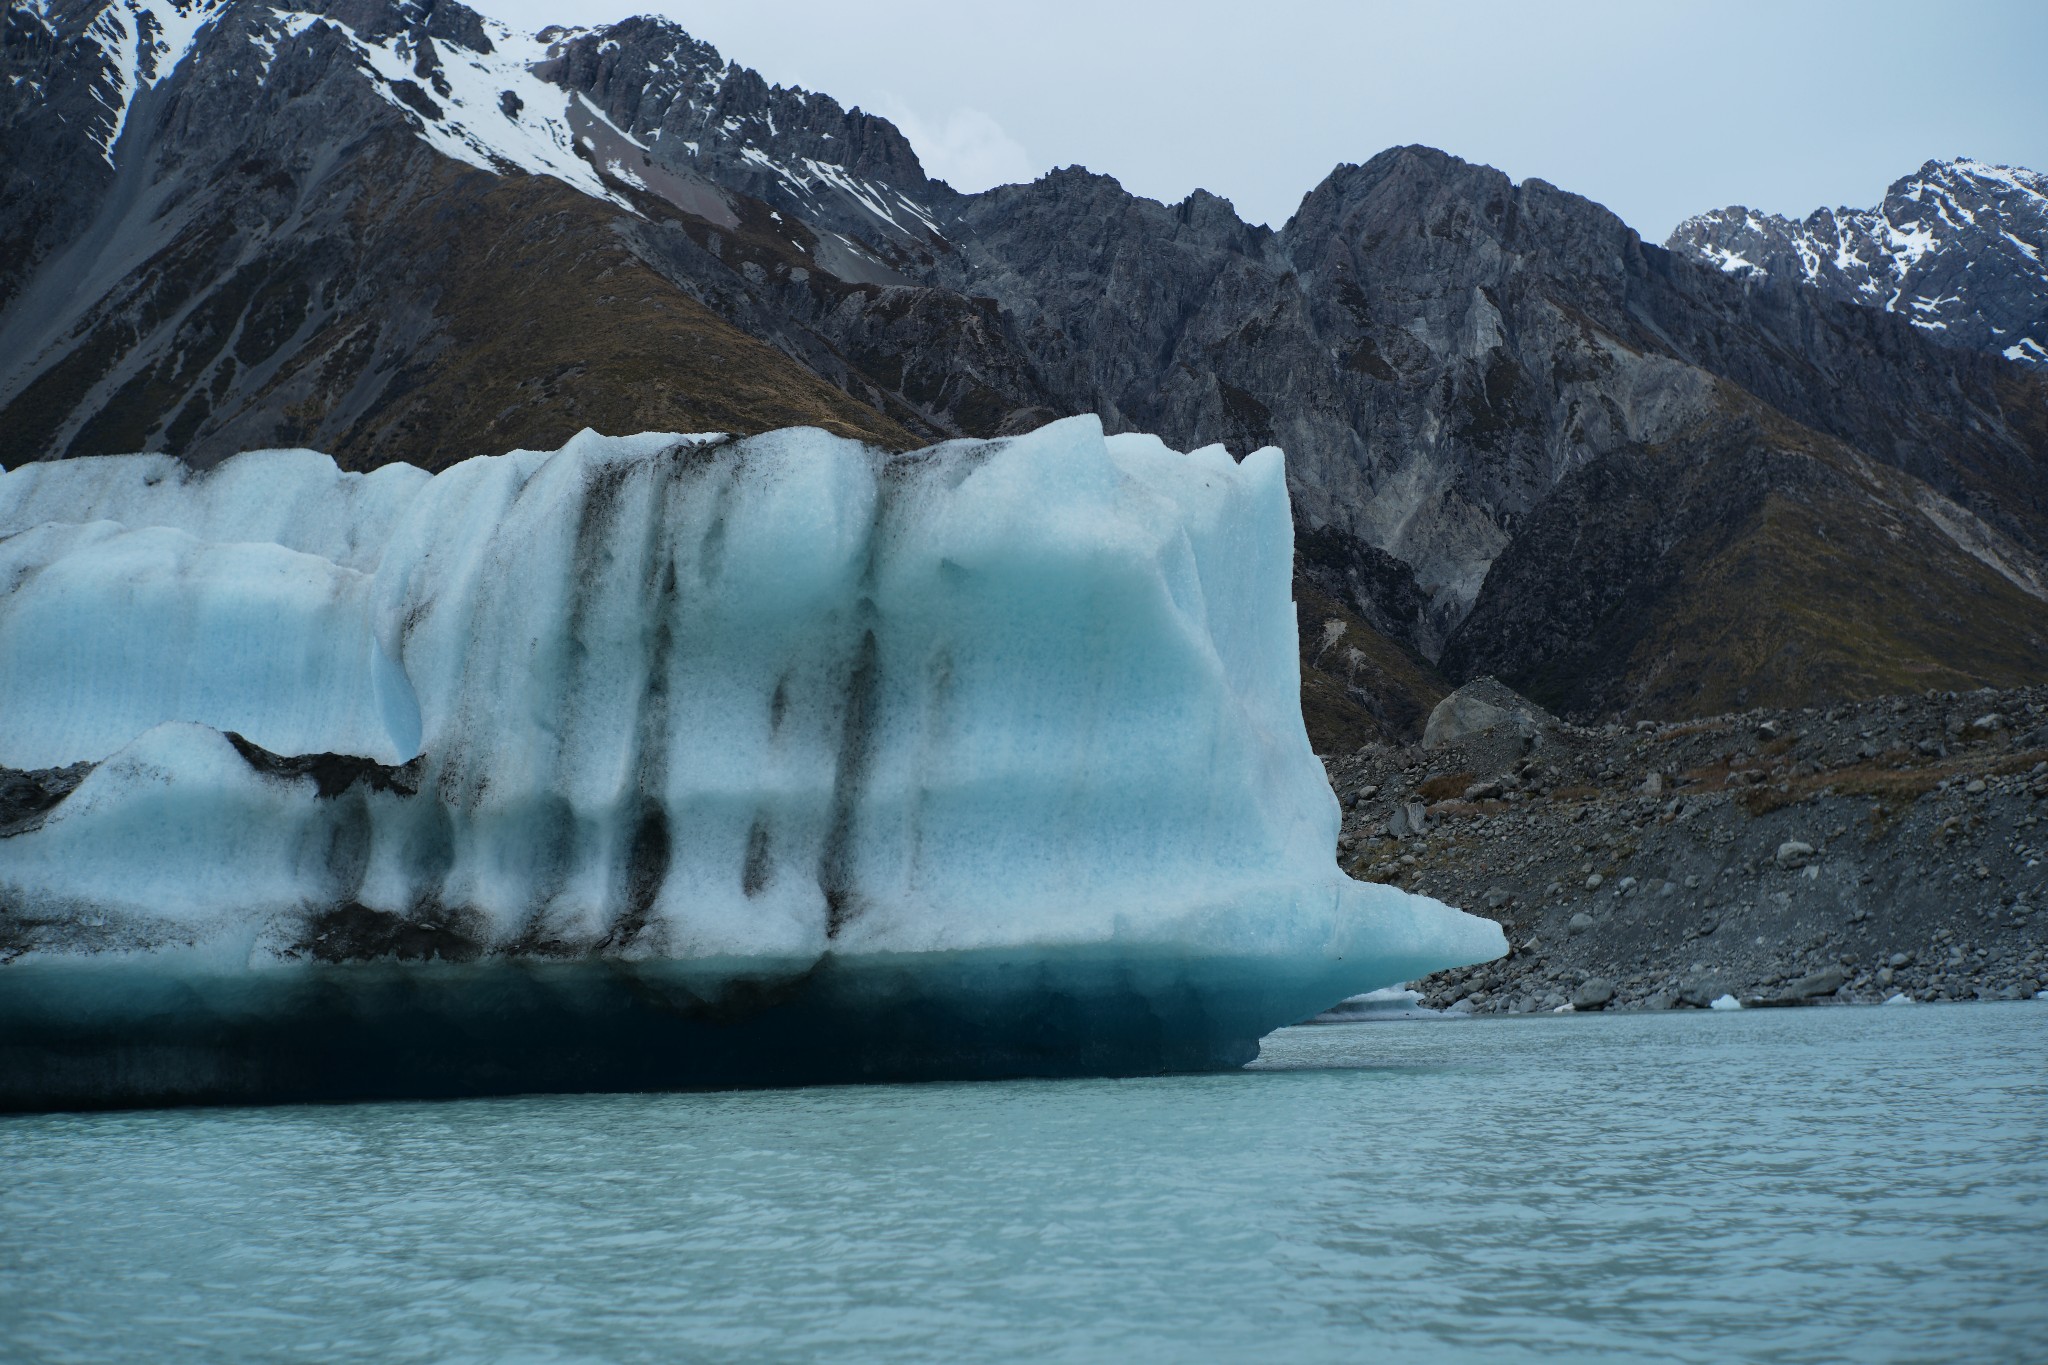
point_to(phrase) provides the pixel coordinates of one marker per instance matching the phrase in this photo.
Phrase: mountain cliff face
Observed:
(1520, 440)
(1438, 348)
(1959, 249)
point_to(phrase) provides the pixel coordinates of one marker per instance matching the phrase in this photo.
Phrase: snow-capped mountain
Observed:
(1520, 440)
(500, 100)
(1959, 249)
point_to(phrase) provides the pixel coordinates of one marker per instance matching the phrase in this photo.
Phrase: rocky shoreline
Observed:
(1851, 854)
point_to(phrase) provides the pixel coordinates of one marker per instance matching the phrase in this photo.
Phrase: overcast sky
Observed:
(1656, 108)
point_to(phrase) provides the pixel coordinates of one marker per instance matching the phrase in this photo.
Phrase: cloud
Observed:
(967, 149)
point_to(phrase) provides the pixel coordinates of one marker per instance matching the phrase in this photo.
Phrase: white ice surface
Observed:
(686, 698)
(111, 631)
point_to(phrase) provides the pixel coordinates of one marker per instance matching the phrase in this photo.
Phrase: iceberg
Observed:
(663, 761)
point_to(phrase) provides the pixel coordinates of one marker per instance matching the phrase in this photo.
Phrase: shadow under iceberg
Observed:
(103, 1033)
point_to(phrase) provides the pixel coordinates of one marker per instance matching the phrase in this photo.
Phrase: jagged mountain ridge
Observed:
(402, 232)
(272, 254)
(1959, 249)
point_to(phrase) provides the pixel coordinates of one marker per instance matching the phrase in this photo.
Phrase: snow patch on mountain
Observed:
(486, 108)
(142, 41)
(1956, 249)
(809, 177)
(283, 25)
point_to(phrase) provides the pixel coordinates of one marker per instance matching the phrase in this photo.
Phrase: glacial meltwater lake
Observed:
(1867, 1184)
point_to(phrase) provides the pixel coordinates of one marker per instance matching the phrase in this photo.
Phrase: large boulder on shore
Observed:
(1484, 706)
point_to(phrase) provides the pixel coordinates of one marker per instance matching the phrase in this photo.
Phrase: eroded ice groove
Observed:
(673, 704)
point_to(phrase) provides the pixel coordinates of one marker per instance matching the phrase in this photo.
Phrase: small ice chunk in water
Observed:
(1389, 1002)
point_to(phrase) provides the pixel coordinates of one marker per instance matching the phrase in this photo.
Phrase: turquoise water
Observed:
(1797, 1185)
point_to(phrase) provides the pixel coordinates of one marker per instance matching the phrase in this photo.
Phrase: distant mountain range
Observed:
(1959, 249)
(1626, 480)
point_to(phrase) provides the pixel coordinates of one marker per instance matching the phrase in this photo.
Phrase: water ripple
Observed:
(1798, 1185)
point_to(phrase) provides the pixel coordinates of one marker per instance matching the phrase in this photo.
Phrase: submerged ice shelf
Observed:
(663, 760)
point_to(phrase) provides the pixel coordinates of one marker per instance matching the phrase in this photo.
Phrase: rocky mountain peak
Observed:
(1959, 249)
(1520, 441)
(1456, 225)
(445, 21)
(698, 114)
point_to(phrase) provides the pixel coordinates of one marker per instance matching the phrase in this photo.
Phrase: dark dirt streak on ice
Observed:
(651, 851)
(856, 738)
(554, 851)
(895, 476)
(856, 752)
(342, 928)
(459, 787)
